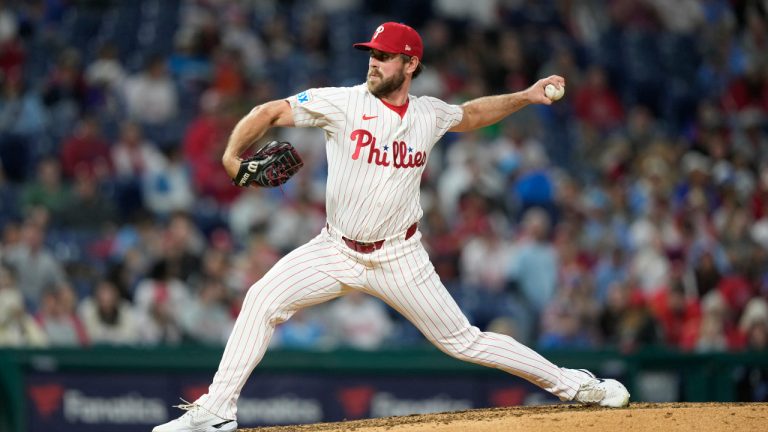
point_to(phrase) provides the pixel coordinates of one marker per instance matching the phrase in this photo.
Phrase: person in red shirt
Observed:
(203, 146)
(86, 151)
(679, 316)
(596, 104)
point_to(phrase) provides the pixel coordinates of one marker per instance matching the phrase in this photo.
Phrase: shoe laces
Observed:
(186, 406)
(192, 409)
(590, 392)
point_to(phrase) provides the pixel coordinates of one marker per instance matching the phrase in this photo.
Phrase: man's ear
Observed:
(413, 63)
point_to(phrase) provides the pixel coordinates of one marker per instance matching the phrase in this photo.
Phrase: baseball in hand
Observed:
(554, 93)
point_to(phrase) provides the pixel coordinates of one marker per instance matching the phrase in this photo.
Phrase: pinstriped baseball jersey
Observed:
(375, 156)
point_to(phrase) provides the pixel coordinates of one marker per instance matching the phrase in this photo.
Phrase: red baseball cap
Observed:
(396, 38)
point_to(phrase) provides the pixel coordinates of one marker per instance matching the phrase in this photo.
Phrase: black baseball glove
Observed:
(271, 166)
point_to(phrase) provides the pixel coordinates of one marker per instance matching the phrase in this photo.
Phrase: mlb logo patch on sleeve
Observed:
(304, 97)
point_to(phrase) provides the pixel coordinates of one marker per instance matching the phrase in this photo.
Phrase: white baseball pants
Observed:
(400, 274)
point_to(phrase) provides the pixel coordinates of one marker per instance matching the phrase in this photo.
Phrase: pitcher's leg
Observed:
(293, 283)
(411, 286)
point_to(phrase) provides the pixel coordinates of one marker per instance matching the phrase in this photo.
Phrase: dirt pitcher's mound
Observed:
(682, 417)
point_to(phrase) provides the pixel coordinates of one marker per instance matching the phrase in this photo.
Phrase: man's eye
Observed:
(381, 56)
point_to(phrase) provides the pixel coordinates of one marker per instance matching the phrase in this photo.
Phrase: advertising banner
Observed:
(62, 402)
(59, 402)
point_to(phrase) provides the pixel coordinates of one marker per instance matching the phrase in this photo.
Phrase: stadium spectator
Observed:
(754, 324)
(716, 332)
(150, 96)
(206, 318)
(135, 161)
(203, 145)
(228, 72)
(296, 220)
(17, 327)
(48, 190)
(189, 67)
(752, 381)
(596, 104)
(35, 266)
(86, 152)
(160, 299)
(58, 318)
(108, 318)
(169, 188)
(12, 54)
(88, 209)
(305, 330)
(443, 244)
(483, 266)
(64, 93)
(253, 261)
(132, 155)
(239, 36)
(562, 328)
(626, 322)
(251, 210)
(360, 321)
(608, 271)
(677, 314)
(216, 260)
(517, 149)
(535, 263)
(105, 77)
(183, 246)
(23, 122)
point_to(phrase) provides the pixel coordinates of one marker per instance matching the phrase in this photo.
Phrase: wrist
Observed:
(525, 97)
(229, 157)
(231, 164)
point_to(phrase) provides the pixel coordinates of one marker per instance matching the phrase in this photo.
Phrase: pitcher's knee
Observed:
(461, 345)
(258, 307)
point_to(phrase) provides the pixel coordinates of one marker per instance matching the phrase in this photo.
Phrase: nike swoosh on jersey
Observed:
(365, 117)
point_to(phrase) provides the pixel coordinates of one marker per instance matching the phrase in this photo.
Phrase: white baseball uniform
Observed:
(375, 161)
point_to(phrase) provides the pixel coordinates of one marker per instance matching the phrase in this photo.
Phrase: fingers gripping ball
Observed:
(553, 92)
(271, 166)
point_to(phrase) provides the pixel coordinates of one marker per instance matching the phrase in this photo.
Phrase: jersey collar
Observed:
(399, 109)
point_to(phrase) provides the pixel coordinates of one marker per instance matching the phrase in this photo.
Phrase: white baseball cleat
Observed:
(197, 419)
(604, 392)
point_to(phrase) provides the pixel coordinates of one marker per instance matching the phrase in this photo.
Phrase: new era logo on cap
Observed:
(396, 38)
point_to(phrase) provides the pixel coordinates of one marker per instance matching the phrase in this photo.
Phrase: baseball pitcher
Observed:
(378, 140)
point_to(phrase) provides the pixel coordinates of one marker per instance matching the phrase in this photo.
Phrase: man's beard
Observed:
(385, 86)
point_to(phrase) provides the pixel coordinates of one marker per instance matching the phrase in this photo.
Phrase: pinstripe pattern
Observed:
(401, 275)
(368, 199)
(364, 200)
(299, 280)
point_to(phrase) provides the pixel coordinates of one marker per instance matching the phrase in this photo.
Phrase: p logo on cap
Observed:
(378, 30)
(395, 38)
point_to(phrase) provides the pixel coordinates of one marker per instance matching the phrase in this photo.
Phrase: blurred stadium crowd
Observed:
(633, 212)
